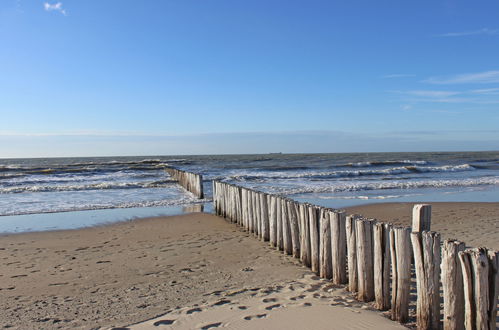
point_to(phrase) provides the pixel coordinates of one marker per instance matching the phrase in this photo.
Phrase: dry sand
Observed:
(130, 271)
(476, 224)
(198, 269)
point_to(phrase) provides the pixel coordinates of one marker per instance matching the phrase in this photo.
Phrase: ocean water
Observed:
(138, 185)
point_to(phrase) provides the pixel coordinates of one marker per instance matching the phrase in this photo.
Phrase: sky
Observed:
(160, 77)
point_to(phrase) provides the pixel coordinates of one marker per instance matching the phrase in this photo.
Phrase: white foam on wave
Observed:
(83, 187)
(328, 187)
(250, 175)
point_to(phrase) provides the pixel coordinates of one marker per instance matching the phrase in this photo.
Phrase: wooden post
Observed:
(326, 270)
(273, 221)
(475, 267)
(351, 221)
(421, 217)
(249, 226)
(314, 238)
(381, 237)
(400, 250)
(189, 181)
(265, 218)
(286, 228)
(305, 255)
(365, 262)
(280, 238)
(338, 246)
(257, 214)
(426, 247)
(294, 227)
(452, 284)
(493, 287)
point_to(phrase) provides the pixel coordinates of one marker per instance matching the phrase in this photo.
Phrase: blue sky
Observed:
(119, 77)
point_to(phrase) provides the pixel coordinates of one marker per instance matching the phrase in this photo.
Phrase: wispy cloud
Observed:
(486, 91)
(397, 75)
(55, 7)
(428, 93)
(486, 77)
(476, 96)
(484, 31)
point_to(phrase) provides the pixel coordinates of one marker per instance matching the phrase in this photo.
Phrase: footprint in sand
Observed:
(163, 322)
(258, 316)
(242, 307)
(271, 307)
(211, 325)
(297, 297)
(221, 302)
(194, 310)
(266, 300)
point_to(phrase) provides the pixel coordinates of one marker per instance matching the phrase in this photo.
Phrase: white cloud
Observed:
(428, 93)
(486, 77)
(486, 91)
(54, 7)
(484, 31)
(477, 96)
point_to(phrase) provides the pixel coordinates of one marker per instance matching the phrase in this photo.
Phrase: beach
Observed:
(128, 272)
(475, 224)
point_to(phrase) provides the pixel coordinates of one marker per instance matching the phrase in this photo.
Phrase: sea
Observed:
(63, 193)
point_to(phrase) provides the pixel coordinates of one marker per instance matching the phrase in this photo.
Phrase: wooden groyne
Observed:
(375, 259)
(192, 182)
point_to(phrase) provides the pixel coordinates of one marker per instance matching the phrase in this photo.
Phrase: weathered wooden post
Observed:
(426, 247)
(480, 291)
(381, 237)
(257, 213)
(353, 281)
(313, 219)
(421, 217)
(295, 229)
(400, 250)
(338, 246)
(273, 221)
(280, 233)
(493, 287)
(452, 284)
(305, 254)
(326, 270)
(265, 218)
(365, 259)
(286, 228)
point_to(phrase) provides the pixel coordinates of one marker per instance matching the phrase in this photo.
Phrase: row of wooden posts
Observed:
(375, 259)
(190, 181)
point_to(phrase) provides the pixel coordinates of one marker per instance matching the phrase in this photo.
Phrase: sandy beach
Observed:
(476, 224)
(192, 271)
